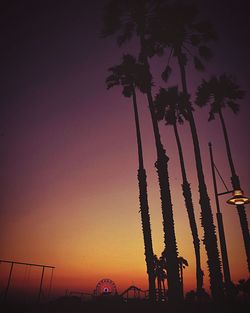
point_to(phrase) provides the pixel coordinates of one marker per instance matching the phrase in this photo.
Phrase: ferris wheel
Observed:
(105, 287)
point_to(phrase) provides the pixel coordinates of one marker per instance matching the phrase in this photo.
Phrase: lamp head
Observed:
(238, 198)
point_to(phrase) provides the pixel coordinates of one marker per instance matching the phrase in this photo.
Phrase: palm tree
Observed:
(170, 106)
(244, 287)
(131, 75)
(183, 263)
(160, 274)
(221, 92)
(126, 17)
(177, 28)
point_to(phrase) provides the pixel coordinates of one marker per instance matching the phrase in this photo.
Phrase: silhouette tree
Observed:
(124, 18)
(183, 263)
(177, 28)
(160, 274)
(221, 92)
(170, 106)
(244, 287)
(131, 75)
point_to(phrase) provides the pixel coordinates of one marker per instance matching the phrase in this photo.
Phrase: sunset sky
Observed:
(68, 156)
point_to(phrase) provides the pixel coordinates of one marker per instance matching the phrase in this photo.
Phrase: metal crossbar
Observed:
(23, 263)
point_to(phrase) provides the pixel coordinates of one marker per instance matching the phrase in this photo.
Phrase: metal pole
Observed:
(235, 180)
(41, 283)
(8, 284)
(50, 285)
(225, 263)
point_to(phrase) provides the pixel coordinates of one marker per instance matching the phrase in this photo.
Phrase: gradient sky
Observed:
(68, 156)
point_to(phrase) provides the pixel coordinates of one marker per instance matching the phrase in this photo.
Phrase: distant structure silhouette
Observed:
(135, 293)
(105, 287)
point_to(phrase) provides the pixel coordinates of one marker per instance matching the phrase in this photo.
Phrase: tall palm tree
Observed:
(126, 17)
(221, 92)
(177, 28)
(170, 106)
(131, 75)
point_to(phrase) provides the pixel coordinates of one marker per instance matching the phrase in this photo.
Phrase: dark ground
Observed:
(74, 305)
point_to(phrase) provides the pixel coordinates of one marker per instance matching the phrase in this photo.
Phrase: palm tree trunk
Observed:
(210, 240)
(174, 287)
(164, 290)
(236, 185)
(144, 208)
(181, 273)
(190, 210)
(159, 288)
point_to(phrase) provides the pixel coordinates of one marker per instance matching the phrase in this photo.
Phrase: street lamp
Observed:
(238, 198)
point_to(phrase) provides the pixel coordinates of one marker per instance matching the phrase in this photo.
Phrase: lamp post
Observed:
(239, 199)
(223, 247)
(235, 181)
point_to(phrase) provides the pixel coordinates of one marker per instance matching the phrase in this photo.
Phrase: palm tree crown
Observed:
(220, 92)
(129, 74)
(177, 27)
(170, 105)
(128, 17)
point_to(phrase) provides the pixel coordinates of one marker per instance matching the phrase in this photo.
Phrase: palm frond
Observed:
(206, 30)
(203, 94)
(198, 64)
(127, 34)
(112, 81)
(195, 39)
(166, 73)
(205, 53)
(235, 107)
(127, 91)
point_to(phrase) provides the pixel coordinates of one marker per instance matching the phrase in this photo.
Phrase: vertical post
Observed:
(50, 285)
(8, 284)
(225, 263)
(245, 231)
(235, 180)
(41, 283)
